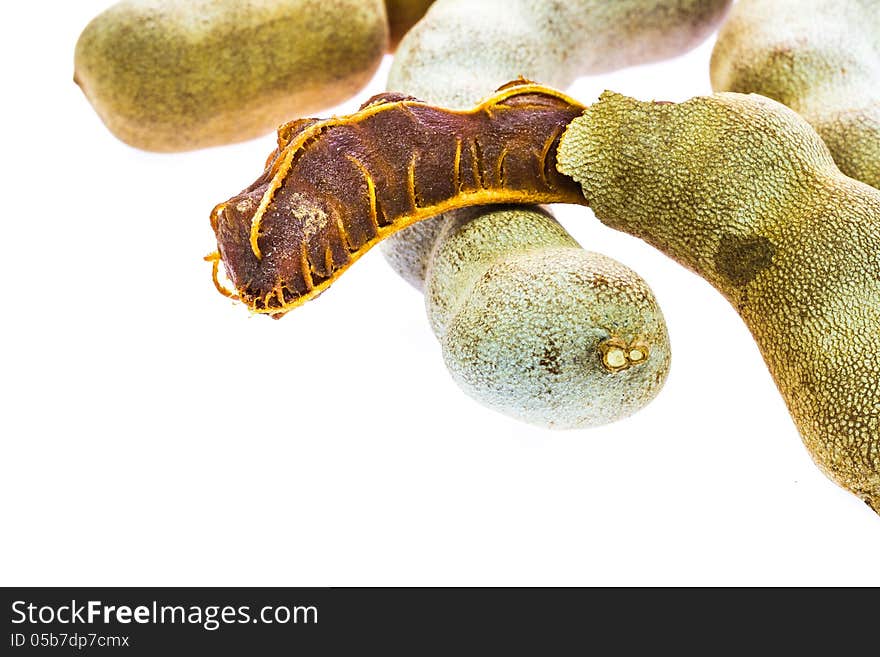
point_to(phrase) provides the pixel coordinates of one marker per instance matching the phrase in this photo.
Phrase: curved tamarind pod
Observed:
(741, 190)
(819, 57)
(334, 188)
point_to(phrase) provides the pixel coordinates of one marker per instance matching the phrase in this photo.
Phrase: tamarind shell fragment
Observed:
(334, 188)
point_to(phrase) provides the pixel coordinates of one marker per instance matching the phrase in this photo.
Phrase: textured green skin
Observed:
(165, 75)
(743, 191)
(462, 50)
(521, 312)
(819, 57)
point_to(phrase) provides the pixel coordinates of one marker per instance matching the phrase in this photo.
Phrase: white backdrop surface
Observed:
(154, 433)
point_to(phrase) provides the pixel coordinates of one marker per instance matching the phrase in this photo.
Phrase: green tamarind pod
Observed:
(742, 190)
(536, 327)
(462, 50)
(165, 75)
(819, 57)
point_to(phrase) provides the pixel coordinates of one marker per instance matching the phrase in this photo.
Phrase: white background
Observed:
(154, 433)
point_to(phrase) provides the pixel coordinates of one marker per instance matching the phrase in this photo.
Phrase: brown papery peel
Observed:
(335, 187)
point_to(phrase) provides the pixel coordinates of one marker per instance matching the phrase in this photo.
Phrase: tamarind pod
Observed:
(534, 326)
(334, 188)
(741, 190)
(169, 76)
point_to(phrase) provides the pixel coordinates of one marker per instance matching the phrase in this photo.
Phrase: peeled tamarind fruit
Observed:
(738, 188)
(334, 188)
(166, 75)
(536, 327)
(819, 57)
(462, 50)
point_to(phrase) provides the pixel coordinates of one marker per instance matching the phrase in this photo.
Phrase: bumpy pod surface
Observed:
(462, 50)
(539, 329)
(165, 75)
(742, 190)
(819, 57)
(334, 188)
